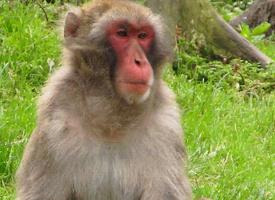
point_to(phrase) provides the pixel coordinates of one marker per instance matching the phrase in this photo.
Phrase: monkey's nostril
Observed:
(137, 62)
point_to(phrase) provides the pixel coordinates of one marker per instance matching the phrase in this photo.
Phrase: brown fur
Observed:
(89, 143)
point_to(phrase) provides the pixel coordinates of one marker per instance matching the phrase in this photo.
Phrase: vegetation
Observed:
(228, 105)
(238, 4)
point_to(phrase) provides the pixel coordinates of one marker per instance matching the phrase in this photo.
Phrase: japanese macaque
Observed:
(108, 127)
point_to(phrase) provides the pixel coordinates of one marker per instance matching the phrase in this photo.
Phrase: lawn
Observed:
(228, 116)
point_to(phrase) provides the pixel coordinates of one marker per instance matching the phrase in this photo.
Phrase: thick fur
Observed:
(89, 143)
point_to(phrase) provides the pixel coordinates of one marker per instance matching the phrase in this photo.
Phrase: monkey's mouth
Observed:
(137, 87)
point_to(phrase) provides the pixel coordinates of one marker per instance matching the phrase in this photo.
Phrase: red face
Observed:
(134, 74)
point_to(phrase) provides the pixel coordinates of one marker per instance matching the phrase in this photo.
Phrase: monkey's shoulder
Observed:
(167, 105)
(63, 89)
(165, 94)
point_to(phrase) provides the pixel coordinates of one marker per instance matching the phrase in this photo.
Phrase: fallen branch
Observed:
(199, 14)
(260, 11)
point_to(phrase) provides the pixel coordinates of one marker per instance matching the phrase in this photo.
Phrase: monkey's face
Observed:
(133, 75)
(123, 39)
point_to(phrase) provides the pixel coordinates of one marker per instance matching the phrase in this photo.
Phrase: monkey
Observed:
(108, 127)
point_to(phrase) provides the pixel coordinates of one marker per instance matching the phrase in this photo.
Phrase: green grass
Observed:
(230, 141)
(27, 45)
(228, 117)
(268, 47)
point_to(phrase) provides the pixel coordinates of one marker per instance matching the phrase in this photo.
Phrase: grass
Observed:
(28, 47)
(228, 117)
(230, 141)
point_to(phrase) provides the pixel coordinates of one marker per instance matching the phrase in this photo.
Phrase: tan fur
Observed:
(89, 143)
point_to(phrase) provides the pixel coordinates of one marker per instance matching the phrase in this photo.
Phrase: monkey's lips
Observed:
(137, 87)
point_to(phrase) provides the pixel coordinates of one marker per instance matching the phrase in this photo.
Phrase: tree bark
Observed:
(200, 15)
(260, 11)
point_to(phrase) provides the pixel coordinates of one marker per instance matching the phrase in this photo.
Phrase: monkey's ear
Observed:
(72, 23)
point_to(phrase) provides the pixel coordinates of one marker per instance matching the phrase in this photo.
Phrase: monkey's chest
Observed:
(110, 172)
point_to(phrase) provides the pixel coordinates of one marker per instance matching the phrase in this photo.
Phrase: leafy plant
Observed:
(242, 76)
(255, 34)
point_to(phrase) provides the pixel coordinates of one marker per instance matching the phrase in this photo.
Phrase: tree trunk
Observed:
(199, 14)
(260, 11)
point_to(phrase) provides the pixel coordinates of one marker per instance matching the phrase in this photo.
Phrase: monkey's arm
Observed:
(173, 185)
(38, 177)
(170, 181)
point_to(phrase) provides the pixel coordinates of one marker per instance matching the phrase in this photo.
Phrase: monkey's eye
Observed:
(122, 33)
(142, 35)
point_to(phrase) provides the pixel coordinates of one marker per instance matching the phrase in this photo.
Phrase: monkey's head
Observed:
(122, 40)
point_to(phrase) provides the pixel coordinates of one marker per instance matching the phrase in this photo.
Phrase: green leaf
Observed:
(261, 29)
(245, 31)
